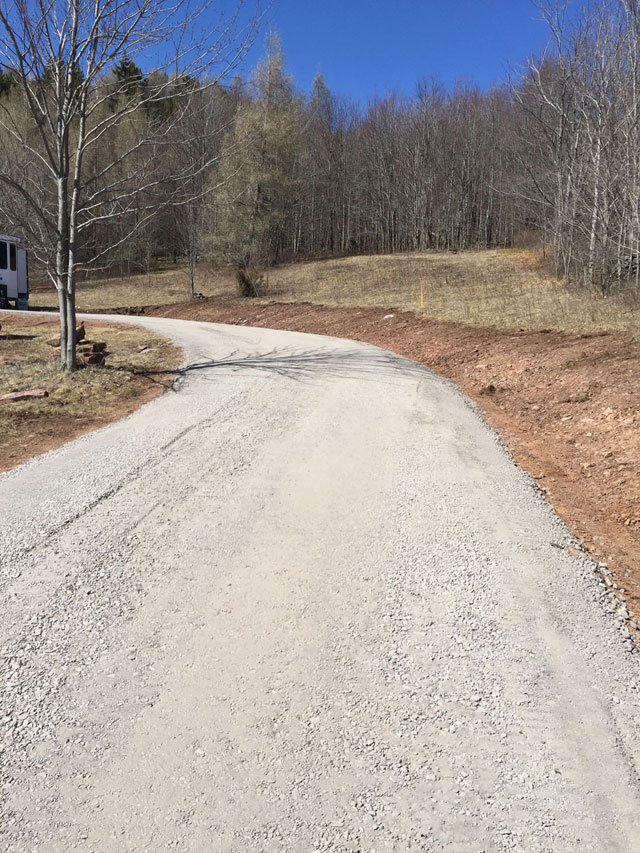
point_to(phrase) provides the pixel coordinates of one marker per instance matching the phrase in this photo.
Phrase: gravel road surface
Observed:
(305, 602)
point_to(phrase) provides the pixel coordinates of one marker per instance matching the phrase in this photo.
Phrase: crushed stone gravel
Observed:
(306, 601)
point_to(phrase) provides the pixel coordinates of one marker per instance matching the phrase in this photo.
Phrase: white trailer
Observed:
(14, 274)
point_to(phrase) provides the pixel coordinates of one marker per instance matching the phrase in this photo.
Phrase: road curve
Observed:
(306, 601)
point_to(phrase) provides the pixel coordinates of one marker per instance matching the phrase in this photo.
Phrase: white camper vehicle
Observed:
(14, 274)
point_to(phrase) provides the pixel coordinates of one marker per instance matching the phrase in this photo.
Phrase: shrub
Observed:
(250, 282)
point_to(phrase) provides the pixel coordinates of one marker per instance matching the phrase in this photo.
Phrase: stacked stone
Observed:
(87, 352)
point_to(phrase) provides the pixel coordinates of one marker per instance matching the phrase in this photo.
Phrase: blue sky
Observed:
(369, 47)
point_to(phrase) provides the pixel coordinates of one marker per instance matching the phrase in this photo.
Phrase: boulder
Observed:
(87, 347)
(93, 358)
(80, 333)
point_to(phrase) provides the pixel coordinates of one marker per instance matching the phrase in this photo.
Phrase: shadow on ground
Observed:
(16, 337)
(305, 364)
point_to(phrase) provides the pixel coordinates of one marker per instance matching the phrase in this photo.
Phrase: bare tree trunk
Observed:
(594, 212)
(61, 269)
(192, 271)
(70, 311)
(64, 328)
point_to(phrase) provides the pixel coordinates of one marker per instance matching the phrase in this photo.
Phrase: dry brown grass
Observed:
(160, 288)
(496, 288)
(76, 401)
(499, 288)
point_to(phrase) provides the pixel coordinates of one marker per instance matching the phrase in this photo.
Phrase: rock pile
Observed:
(87, 352)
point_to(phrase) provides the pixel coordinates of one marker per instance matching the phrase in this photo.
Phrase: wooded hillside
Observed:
(255, 173)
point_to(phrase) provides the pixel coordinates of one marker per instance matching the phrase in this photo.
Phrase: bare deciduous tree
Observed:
(79, 88)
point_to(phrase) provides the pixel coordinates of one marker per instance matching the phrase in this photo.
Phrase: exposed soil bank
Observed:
(566, 404)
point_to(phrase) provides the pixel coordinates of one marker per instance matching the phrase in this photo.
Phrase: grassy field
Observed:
(77, 401)
(499, 288)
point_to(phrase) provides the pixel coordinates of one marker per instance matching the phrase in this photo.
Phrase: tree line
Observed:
(107, 165)
(551, 158)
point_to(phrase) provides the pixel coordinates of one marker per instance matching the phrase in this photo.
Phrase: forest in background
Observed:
(255, 173)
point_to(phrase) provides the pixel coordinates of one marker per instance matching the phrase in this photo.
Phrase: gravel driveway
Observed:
(305, 602)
